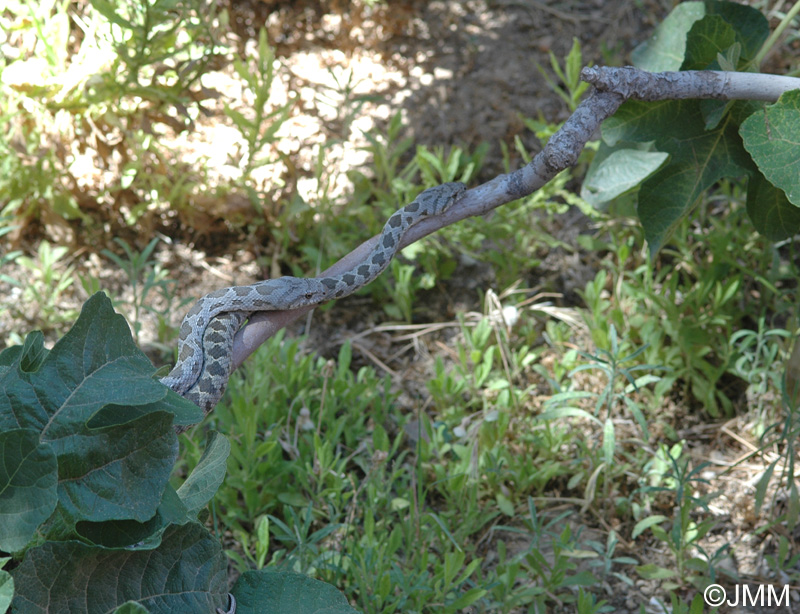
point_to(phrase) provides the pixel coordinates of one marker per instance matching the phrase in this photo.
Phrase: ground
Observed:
(462, 73)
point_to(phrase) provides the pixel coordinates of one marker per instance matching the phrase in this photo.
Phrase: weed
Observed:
(570, 76)
(616, 371)
(606, 560)
(136, 265)
(8, 256)
(259, 132)
(682, 534)
(784, 435)
(548, 561)
(46, 286)
(757, 352)
(137, 64)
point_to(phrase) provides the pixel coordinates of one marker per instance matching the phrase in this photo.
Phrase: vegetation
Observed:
(547, 448)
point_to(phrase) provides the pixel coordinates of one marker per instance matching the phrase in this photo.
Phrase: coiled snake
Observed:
(206, 335)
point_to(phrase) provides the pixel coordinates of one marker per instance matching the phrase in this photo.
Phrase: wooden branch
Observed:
(612, 87)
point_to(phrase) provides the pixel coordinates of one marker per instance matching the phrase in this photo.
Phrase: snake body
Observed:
(206, 336)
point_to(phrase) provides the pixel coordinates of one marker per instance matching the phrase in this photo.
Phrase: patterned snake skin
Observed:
(206, 336)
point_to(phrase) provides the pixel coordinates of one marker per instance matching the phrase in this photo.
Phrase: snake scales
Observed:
(206, 335)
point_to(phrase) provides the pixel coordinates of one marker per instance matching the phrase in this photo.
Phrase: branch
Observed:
(612, 87)
(636, 84)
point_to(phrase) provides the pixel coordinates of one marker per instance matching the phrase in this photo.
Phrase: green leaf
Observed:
(582, 578)
(665, 48)
(29, 356)
(706, 38)
(131, 607)
(770, 211)
(567, 412)
(106, 9)
(244, 124)
(28, 478)
(645, 524)
(468, 598)
(288, 593)
(609, 442)
(147, 535)
(698, 159)
(654, 572)
(95, 364)
(118, 472)
(749, 25)
(201, 485)
(761, 487)
(505, 505)
(101, 579)
(293, 498)
(93, 403)
(616, 170)
(6, 586)
(771, 138)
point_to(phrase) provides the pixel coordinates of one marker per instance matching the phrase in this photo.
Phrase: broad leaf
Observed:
(147, 535)
(28, 477)
(6, 586)
(700, 137)
(708, 37)
(666, 48)
(265, 592)
(773, 140)
(205, 480)
(698, 158)
(186, 573)
(91, 404)
(770, 211)
(615, 171)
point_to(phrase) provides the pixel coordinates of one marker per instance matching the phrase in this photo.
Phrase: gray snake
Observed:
(206, 336)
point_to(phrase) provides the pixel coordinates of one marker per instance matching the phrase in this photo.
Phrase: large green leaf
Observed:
(6, 586)
(698, 158)
(118, 472)
(773, 140)
(121, 533)
(92, 405)
(616, 170)
(707, 37)
(186, 573)
(700, 137)
(770, 211)
(207, 476)
(28, 477)
(749, 24)
(667, 47)
(664, 50)
(273, 592)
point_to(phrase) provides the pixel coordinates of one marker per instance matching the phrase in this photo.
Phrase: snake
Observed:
(205, 340)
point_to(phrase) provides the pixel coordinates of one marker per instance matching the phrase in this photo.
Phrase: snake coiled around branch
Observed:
(206, 337)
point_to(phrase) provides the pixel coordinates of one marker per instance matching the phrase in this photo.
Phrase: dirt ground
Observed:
(463, 73)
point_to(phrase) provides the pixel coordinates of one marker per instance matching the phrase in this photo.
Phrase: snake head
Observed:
(300, 292)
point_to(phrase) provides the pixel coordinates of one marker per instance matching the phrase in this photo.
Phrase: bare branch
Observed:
(613, 87)
(636, 84)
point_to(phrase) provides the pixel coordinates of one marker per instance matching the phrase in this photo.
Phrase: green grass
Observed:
(417, 518)
(488, 488)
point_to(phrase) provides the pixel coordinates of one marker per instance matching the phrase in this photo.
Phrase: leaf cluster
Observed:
(87, 448)
(673, 151)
